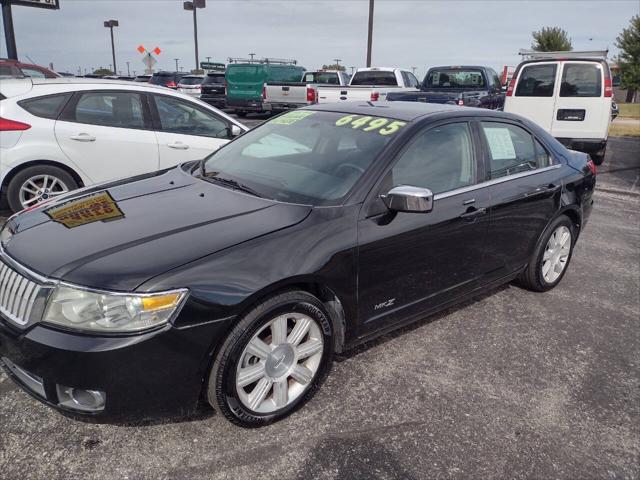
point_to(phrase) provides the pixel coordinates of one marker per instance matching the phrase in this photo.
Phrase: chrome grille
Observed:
(17, 294)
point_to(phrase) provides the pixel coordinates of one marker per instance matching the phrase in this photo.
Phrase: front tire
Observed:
(36, 184)
(551, 258)
(273, 360)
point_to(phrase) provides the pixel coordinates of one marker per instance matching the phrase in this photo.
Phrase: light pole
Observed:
(252, 55)
(413, 70)
(352, 69)
(370, 35)
(110, 24)
(195, 5)
(128, 71)
(337, 63)
(176, 59)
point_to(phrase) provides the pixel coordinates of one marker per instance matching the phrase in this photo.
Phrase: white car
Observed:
(60, 134)
(570, 97)
(191, 85)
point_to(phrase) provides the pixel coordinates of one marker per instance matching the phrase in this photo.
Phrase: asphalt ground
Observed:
(513, 385)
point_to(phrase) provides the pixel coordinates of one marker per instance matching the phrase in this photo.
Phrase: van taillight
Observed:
(592, 167)
(608, 88)
(511, 87)
(375, 96)
(7, 125)
(311, 95)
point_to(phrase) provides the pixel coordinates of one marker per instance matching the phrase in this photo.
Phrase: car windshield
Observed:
(191, 81)
(374, 77)
(304, 156)
(455, 78)
(214, 79)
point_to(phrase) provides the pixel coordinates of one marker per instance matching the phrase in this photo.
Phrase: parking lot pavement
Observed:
(511, 385)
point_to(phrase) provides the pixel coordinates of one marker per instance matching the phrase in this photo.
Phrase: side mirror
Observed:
(406, 198)
(616, 81)
(236, 131)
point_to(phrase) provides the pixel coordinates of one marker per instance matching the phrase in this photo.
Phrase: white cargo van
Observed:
(568, 96)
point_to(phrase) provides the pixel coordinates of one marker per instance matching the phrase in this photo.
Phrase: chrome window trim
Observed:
(495, 181)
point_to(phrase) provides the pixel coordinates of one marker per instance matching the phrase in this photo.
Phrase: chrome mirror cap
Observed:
(406, 198)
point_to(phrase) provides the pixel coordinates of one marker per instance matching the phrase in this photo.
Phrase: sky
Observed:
(418, 33)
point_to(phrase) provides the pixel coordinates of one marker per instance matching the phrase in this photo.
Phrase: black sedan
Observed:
(235, 280)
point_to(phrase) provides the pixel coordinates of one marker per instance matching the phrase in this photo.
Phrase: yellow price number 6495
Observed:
(372, 124)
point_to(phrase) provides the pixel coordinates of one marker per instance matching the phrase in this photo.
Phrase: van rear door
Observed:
(581, 109)
(534, 94)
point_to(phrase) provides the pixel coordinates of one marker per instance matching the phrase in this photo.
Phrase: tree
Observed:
(551, 39)
(102, 72)
(629, 57)
(334, 67)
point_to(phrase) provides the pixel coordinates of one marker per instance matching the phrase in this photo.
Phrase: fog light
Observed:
(80, 399)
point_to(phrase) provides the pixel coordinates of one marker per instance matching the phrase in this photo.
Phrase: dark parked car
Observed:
(236, 279)
(468, 86)
(167, 79)
(214, 90)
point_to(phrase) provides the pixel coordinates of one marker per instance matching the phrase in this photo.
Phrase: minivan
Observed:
(245, 83)
(569, 97)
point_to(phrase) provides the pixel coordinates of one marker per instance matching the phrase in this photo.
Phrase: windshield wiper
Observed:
(212, 177)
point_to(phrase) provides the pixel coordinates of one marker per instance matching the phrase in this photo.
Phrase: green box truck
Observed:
(246, 78)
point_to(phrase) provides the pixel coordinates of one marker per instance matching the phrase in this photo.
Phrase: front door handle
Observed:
(472, 213)
(178, 146)
(83, 137)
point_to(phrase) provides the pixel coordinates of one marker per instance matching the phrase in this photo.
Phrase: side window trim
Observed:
(68, 112)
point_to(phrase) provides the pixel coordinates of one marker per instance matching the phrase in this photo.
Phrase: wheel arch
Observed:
(574, 214)
(32, 163)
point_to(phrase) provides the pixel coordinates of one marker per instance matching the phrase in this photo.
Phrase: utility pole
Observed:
(128, 71)
(252, 55)
(352, 69)
(195, 5)
(208, 59)
(10, 36)
(176, 59)
(337, 61)
(110, 24)
(370, 35)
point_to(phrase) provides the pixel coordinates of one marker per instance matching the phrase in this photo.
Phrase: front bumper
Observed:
(160, 372)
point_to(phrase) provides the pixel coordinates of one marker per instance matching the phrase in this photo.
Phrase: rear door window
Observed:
(581, 80)
(110, 109)
(537, 81)
(512, 149)
(46, 107)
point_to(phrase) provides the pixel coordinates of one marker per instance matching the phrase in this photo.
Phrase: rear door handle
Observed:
(178, 146)
(472, 213)
(83, 137)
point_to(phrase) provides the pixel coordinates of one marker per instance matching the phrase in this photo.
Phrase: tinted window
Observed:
(284, 74)
(439, 159)
(328, 78)
(161, 78)
(581, 80)
(111, 109)
(310, 157)
(455, 78)
(191, 80)
(178, 116)
(213, 79)
(512, 149)
(374, 78)
(537, 81)
(47, 107)
(32, 72)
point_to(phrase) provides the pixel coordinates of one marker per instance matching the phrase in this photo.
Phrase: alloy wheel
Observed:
(279, 362)
(40, 188)
(556, 254)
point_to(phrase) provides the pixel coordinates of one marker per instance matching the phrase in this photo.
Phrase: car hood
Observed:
(120, 235)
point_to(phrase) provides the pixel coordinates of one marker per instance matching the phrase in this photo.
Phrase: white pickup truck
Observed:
(281, 96)
(369, 84)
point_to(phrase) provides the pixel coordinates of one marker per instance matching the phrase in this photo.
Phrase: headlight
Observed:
(110, 312)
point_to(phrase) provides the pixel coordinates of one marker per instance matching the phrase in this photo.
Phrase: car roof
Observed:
(460, 67)
(12, 87)
(408, 111)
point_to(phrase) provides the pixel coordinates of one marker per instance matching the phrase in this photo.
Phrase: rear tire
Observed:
(598, 158)
(273, 360)
(551, 258)
(29, 186)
